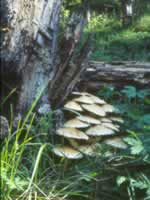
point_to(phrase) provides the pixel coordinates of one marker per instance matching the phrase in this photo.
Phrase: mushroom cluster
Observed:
(92, 120)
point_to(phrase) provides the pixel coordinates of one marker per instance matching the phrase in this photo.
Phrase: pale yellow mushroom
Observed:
(88, 119)
(99, 130)
(73, 106)
(67, 152)
(116, 142)
(72, 133)
(95, 109)
(75, 123)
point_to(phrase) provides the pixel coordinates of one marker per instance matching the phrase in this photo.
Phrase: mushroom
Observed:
(73, 106)
(104, 119)
(108, 108)
(93, 98)
(72, 133)
(81, 93)
(99, 130)
(88, 150)
(96, 123)
(117, 119)
(84, 99)
(75, 123)
(111, 126)
(116, 142)
(97, 100)
(94, 109)
(89, 120)
(67, 152)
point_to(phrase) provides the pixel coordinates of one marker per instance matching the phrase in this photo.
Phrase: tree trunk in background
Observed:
(28, 44)
(127, 12)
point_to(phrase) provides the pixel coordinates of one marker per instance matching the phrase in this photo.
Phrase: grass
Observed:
(29, 170)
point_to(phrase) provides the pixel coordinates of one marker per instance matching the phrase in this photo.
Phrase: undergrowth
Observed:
(111, 41)
(29, 170)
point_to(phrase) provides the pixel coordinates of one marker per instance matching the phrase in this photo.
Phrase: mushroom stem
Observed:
(73, 143)
(65, 166)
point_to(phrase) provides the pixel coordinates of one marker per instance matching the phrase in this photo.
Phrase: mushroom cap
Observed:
(84, 99)
(93, 98)
(87, 119)
(99, 130)
(67, 152)
(117, 119)
(88, 150)
(73, 106)
(108, 108)
(97, 100)
(111, 126)
(81, 93)
(96, 109)
(75, 123)
(116, 142)
(72, 133)
(105, 120)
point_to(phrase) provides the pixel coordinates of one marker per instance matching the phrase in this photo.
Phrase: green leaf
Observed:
(136, 145)
(129, 91)
(121, 179)
(146, 119)
(143, 93)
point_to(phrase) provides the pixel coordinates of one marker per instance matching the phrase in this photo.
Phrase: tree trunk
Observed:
(127, 12)
(70, 68)
(29, 32)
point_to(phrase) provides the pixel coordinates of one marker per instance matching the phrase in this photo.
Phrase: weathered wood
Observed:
(28, 45)
(4, 127)
(115, 73)
(69, 69)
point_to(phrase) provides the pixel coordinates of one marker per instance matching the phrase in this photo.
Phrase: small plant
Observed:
(113, 42)
(134, 107)
(135, 182)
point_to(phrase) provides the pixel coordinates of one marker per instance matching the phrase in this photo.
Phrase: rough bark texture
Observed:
(28, 44)
(116, 73)
(69, 70)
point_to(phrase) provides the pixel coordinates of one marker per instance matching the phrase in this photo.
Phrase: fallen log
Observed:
(98, 74)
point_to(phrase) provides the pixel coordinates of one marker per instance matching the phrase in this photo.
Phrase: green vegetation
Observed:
(113, 37)
(113, 42)
(29, 170)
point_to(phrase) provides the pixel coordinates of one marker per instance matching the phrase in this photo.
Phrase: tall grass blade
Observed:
(36, 166)
(9, 95)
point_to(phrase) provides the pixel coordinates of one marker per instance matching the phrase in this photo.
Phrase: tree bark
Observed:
(127, 12)
(28, 44)
(116, 73)
(70, 68)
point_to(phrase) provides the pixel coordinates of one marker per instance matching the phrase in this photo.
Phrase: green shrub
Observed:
(134, 106)
(104, 24)
(112, 42)
(143, 25)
